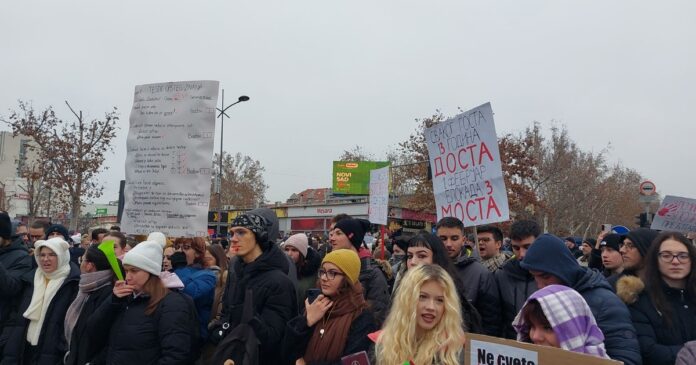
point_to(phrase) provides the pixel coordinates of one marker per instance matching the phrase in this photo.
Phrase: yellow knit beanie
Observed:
(346, 260)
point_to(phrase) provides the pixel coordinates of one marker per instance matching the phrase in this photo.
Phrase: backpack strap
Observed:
(248, 311)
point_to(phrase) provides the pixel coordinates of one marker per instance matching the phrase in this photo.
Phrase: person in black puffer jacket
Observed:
(15, 263)
(36, 333)
(85, 334)
(663, 307)
(261, 267)
(550, 262)
(149, 323)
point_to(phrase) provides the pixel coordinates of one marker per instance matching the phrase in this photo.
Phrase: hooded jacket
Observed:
(52, 345)
(515, 285)
(274, 300)
(549, 254)
(481, 291)
(659, 342)
(15, 263)
(375, 289)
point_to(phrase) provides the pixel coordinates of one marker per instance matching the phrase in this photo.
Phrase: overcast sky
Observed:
(324, 76)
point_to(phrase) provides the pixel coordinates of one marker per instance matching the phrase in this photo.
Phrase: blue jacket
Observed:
(199, 284)
(549, 254)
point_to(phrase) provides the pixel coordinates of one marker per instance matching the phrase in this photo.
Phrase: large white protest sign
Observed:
(676, 214)
(169, 161)
(467, 175)
(379, 195)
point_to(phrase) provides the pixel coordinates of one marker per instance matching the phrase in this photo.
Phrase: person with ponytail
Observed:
(337, 322)
(37, 335)
(424, 325)
(86, 340)
(150, 324)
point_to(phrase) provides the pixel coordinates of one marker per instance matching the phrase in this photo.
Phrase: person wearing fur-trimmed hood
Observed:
(663, 304)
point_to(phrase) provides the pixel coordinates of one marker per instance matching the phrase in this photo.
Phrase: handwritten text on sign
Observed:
(379, 195)
(676, 214)
(467, 175)
(487, 353)
(168, 165)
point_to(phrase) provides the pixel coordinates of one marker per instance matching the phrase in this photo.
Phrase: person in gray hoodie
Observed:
(550, 262)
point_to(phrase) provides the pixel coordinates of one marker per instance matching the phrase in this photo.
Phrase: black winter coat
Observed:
(274, 300)
(481, 291)
(375, 289)
(515, 285)
(15, 263)
(298, 334)
(52, 345)
(659, 342)
(88, 342)
(167, 337)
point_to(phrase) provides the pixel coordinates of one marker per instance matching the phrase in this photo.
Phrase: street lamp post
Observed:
(222, 116)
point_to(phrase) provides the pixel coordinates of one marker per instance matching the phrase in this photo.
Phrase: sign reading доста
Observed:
(467, 175)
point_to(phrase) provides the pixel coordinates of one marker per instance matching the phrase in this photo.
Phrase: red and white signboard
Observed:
(647, 188)
(467, 175)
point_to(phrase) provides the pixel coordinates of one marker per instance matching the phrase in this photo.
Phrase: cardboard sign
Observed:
(169, 158)
(379, 195)
(467, 174)
(675, 214)
(485, 350)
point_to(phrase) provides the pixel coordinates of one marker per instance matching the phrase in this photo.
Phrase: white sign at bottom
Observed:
(488, 353)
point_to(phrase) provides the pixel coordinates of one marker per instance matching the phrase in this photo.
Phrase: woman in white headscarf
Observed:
(37, 336)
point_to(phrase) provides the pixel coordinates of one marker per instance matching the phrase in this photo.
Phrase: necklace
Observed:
(323, 323)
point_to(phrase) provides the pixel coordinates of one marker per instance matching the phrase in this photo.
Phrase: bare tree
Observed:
(73, 152)
(357, 153)
(242, 181)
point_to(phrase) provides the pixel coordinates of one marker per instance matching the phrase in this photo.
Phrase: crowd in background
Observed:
(107, 298)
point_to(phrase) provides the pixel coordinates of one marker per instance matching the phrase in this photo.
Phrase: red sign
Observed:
(647, 188)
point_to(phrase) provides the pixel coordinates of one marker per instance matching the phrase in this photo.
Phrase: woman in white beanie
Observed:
(36, 336)
(149, 323)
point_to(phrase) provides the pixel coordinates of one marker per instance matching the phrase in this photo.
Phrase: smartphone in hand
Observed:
(312, 295)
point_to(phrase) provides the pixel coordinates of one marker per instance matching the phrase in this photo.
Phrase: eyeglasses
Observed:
(668, 257)
(47, 256)
(330, 275)
(627, 245)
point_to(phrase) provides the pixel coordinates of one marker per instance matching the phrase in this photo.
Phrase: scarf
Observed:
(571, 319)
(336, 325)
(45, 288)
(89, 283)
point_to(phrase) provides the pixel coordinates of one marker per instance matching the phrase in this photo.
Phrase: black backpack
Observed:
(241, 344)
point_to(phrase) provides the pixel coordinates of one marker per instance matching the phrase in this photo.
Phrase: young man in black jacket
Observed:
(479, 284)
(262, 268)
(515, 283)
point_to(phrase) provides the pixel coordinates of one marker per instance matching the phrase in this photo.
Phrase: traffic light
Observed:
(643, 220)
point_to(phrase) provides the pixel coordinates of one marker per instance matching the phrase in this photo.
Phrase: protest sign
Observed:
(467, 175)
(676, 214)
(169, 160)
(486, 350)
(379, 195)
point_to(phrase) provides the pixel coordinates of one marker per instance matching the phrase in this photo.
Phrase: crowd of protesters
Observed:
(105, 298)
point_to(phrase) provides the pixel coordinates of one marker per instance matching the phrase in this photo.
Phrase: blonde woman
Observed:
(424, 325)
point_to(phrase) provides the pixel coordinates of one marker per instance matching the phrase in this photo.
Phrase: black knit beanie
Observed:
(355, 230)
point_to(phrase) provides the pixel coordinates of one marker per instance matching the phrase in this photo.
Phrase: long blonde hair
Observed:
(443, 344)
